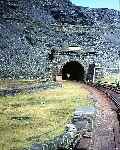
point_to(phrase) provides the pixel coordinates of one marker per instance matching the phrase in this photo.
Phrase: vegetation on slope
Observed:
(111, 79)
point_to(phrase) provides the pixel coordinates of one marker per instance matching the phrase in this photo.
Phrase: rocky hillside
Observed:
(29, 31)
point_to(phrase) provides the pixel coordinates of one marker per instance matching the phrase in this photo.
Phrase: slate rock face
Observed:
(30, 31)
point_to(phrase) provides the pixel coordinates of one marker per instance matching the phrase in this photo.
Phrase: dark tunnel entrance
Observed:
(73, 71)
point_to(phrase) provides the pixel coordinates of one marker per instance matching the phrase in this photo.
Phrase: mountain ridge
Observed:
(29, 31)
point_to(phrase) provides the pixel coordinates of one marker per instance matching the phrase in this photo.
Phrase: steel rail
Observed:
(110, 91)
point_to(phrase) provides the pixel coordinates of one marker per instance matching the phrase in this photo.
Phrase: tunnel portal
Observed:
(73, 70)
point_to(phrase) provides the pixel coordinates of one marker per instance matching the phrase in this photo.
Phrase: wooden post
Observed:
(94, 75)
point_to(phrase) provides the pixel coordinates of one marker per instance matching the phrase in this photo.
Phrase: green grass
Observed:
(111, 79)
(30, 118)
(4, 84)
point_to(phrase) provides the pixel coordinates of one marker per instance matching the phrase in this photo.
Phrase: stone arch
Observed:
(73, 70)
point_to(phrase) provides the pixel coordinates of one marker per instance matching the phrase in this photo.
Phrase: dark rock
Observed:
(29, 30)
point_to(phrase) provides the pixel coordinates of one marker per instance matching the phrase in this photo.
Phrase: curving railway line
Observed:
(112, 92)
(106, 134)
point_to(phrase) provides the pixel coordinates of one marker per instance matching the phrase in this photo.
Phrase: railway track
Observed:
(112, 92)
(106, 134)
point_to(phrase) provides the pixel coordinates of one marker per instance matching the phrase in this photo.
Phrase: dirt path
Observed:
(106, 133)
